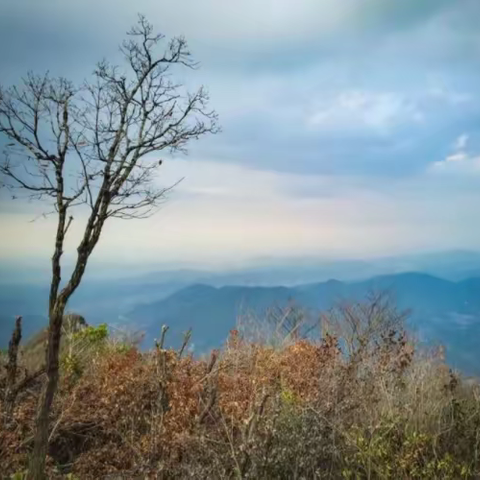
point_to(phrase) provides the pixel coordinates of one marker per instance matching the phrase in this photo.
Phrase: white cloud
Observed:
(461, 142)
(457, 157)
(372, 110)
(229, 181)
(459, 162)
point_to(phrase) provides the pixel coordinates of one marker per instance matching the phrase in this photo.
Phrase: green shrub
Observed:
(22, 475)
(92, 334)
(391, 452)
(80, 346)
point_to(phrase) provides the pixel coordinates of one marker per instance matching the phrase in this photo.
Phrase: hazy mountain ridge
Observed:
(442, 311)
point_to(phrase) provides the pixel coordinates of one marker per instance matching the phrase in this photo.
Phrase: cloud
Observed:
(460, 161)
(450, 96)
(375, 111)
(457, 157)
(461, 142)
(246, 22)
(304, 123)
(223, 213)
(336, 117)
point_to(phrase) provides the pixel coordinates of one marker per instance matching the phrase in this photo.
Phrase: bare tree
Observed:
(93, 147)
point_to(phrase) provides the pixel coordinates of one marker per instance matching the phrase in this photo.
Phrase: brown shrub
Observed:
(302, 409)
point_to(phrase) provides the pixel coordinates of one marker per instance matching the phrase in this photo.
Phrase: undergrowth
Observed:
(357, 401)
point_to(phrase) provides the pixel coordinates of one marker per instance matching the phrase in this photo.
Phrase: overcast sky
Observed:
(350, 128)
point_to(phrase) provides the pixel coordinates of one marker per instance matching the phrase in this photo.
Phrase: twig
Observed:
(70, 219)
(186, 338)
(162, 338)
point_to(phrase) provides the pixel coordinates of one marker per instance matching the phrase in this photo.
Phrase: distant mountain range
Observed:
(442, 311)
(445, 299)
(450, 265)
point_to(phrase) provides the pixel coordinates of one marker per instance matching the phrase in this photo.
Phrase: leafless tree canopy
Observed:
(91, 144)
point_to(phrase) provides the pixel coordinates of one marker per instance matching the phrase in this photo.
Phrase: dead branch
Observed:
(210, 390)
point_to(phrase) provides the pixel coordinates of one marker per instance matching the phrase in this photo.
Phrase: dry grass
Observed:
(358, 402)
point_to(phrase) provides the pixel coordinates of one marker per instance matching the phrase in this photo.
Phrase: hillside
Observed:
(365, 405)
(443, 311)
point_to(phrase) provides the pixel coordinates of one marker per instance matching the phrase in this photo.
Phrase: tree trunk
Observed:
(36, 467)
(12, 366)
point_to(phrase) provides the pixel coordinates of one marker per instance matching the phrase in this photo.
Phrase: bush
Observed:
(359, 401)
(79, 346)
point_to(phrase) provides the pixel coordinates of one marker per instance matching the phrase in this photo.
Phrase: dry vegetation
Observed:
(359, 402)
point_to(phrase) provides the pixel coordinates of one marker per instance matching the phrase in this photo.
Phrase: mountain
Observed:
(436, 296)
(452, 265)
(443, 312)
(98, 301)
(29, 302)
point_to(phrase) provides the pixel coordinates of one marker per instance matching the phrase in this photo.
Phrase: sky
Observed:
(349, 129)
